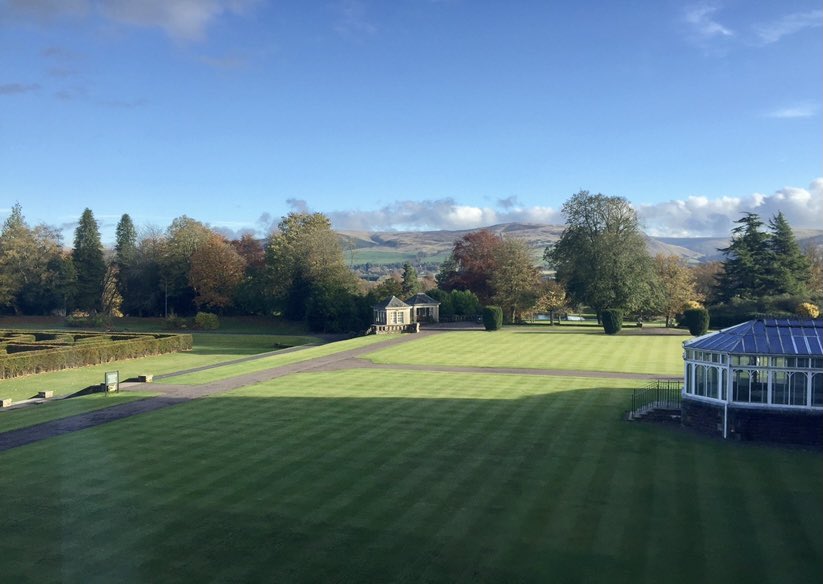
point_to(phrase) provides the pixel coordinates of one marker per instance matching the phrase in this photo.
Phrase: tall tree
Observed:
(125, 246)
(677, 285)
(183, 237)
(472, 263)
(303, 259)
(515, 280)
(788, 270)
(89, 265)
(706, 276)
(410, 284)
(216, 272)
(746, 264)
(601, 256)
(35, 276)
(551, 298)
(814, 255)
(125, 252)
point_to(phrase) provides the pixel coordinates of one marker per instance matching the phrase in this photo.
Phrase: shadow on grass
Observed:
(261, 486)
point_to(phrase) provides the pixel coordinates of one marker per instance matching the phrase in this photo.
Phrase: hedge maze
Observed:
(27, 352)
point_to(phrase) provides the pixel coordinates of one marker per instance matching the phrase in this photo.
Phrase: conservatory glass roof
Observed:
(768, 336)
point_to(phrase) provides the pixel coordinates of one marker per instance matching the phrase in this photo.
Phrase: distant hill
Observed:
(432, 247)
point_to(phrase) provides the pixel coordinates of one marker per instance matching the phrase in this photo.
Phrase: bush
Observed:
(697, 320)
(94, 321)
(492, 318)
(206, 321)
(807, 310)
(174, 322)
(612, 319)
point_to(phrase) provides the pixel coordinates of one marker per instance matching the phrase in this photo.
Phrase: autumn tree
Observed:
(89, 265)
(304, 258)
(216, 270)
(183, 237)
(814, 255)
(515, 280)
(551, 298)
(250, 296)
(472, 264)
(706, 275)
(601, 256)
(36, 277)
(676, 285)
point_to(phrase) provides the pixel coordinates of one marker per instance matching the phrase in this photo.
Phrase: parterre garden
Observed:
(398, 475)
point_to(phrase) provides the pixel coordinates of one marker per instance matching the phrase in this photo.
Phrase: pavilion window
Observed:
(689, 378)
(724, 382)
(759, 386)
(780, 387)
(817, 390)
(711, 382)
(700, 378)
(740, 386)
(797, 389)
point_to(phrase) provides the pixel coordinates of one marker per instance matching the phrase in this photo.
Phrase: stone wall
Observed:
(802, 427)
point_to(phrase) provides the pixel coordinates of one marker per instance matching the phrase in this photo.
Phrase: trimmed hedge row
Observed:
(91, 353)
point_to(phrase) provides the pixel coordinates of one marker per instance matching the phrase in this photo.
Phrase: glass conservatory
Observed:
(738, 380)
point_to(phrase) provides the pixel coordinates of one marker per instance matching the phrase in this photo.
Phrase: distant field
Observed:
(379, 257)
(209, 348)
(397, 476)
(543, 348)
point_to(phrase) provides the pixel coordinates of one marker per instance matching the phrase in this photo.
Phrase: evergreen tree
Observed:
(125, 254)
(89, 266)
(789, 269)
(125, 246)
(748, 257)
(410, 284)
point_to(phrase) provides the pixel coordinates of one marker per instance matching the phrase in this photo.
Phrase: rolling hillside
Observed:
(430, 247)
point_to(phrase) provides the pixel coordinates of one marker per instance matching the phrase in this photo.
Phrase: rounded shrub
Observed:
(612, 319)
(697, 321)
(206, 321)
(492, 318)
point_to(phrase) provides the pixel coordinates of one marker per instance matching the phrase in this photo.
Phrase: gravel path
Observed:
(175, 394)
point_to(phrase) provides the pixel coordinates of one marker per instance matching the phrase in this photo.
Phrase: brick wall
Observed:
(787, 427)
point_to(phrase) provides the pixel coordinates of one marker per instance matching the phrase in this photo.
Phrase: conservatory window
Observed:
(740, 385)
(780, 387)
(817, 389)
(797, 389)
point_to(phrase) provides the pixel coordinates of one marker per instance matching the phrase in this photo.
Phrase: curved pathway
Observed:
(175, 394)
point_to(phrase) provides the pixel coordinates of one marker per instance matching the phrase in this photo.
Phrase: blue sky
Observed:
(411, 113)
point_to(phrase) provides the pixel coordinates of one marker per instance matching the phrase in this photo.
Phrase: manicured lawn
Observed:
(209, 348)
(536, 348)
(37, 414)
(397, 476)
(274, 361)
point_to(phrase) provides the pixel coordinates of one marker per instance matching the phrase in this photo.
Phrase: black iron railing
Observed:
(660, 394)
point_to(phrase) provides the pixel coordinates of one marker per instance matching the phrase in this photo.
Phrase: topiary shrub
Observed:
(697, 321)
(612, 319)
(492, 318)
(206, 321)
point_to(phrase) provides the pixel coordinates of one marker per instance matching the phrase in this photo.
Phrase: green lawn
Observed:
(538, 348)
(398, 476)
(274, 361)
(55, 410)
(208, 349)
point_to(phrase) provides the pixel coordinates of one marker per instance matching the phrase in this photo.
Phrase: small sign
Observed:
(112, 381)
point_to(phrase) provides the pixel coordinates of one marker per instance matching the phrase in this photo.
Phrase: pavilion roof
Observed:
(767, 336)
(421, 299)
(393, 302)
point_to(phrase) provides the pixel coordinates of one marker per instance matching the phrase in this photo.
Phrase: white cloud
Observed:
(699, 216)
(771, 32)
(803, 110)
(180, 19)
(701, 21)
(439, 214)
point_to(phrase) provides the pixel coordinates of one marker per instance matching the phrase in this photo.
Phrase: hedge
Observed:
(492, 318)
(57, 357)
(612, 319)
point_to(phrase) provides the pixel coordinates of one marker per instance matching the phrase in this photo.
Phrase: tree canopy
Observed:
(601, 255)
